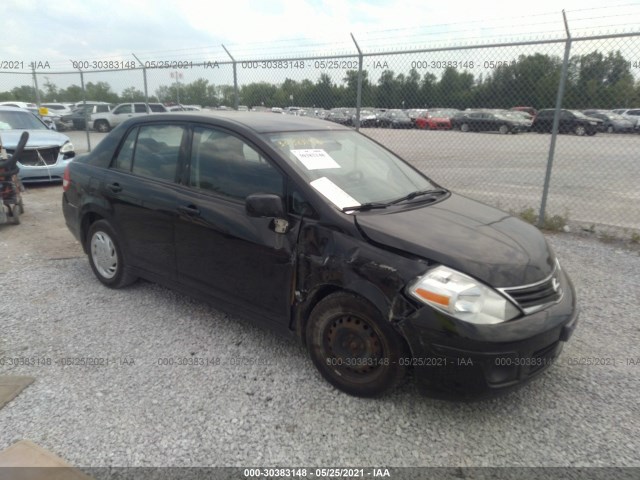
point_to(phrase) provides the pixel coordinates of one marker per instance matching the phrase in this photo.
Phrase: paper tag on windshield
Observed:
(315, 159)
(334, 193)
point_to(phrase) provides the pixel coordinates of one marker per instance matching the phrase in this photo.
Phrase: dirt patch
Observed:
(42, 233)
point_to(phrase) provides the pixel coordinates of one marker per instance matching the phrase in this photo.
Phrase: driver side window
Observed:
(224, 164)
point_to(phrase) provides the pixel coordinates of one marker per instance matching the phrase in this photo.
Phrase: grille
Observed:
(30, 157)
(535, 297)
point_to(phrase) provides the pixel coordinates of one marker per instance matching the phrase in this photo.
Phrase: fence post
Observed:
(235, 79)
(359, 88)
(35, 83)
(144, 77)
(84, 104)
(556, 121)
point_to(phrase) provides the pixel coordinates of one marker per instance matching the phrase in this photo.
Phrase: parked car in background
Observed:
(47, 152)
(83, 112)
(486, 121)
(316, 231)
(58, 108)
(414, 113)
(611, 122)
(51, 120)
(103, 122)
(571, 121)
(339, 116)
(394, 118)
(434, 120)
(368, 118)
(631, 114)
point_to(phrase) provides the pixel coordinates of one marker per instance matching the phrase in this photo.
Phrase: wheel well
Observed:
(88, 220)
(301, 315)
(304, 310)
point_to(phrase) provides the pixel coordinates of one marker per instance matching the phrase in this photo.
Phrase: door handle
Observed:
(115, 187)
(190, 210)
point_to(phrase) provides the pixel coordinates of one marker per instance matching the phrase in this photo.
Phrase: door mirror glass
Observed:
(264, 205)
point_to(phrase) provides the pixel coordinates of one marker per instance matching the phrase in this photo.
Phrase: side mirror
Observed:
(264, 205)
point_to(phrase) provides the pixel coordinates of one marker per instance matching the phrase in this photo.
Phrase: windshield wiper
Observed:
(410, 196)
(418, 193)
(366, 206)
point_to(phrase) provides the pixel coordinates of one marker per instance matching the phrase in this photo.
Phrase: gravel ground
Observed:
(265, 404)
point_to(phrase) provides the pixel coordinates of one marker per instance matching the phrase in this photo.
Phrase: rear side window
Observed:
(102, 108)
(140, 108)
(124, 159)
(156, 151)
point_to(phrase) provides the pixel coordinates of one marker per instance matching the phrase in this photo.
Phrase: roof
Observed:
(260, 122)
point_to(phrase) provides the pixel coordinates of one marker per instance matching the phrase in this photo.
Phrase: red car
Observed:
(434, 120)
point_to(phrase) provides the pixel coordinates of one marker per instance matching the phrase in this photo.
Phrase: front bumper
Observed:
(455, 359)
(42, 174)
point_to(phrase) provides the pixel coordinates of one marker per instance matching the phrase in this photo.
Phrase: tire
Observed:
(580, 130)
(503, 129)
(105, 256)
(102, 126)
(15, 214)
(464, 127)
(343, 318)
(610, 129)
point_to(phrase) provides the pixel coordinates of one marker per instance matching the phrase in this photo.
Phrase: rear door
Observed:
(220, 250)
(142, 191)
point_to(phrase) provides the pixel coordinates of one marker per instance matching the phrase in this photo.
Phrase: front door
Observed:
(222, 251)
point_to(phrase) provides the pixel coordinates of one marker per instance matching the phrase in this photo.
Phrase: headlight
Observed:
(462, 297)
(67, 147)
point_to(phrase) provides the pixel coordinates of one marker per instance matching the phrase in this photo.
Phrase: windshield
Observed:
(20, 121)
(348, 168)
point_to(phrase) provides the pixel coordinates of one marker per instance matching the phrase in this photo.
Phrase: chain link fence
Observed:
(526, 126)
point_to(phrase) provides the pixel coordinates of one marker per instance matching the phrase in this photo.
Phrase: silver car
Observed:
(47, 152)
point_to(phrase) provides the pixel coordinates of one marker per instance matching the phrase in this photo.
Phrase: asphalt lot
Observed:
(263, 403)
(594, 179)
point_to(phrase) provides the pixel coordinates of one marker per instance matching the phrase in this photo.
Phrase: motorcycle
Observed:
(10, 186)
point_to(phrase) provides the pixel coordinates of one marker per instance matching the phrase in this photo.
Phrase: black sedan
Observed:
(569, 121)
(318, 232)
(489, 122)
(394, 119)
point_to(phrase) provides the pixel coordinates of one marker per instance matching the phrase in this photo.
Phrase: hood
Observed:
(37, 138)
(474, 238)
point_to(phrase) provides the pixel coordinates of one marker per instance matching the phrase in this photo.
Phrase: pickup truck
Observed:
(105, 121)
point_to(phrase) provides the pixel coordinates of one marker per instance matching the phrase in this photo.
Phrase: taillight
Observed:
(66, 179)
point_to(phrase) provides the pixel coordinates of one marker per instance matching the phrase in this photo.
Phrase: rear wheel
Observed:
(610, 129)
(102, 126)
(105, 256)
(580, 130)
(354, 347)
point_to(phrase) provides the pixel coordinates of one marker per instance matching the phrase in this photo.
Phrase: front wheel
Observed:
(105, 256)
(503, 129)
(464, 127)
(580, 130)
(354, 347)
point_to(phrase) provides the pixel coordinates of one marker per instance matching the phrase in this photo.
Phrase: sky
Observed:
(61, 31)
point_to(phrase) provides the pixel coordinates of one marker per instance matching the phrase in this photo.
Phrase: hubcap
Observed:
(354, 346)
(103, 253)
